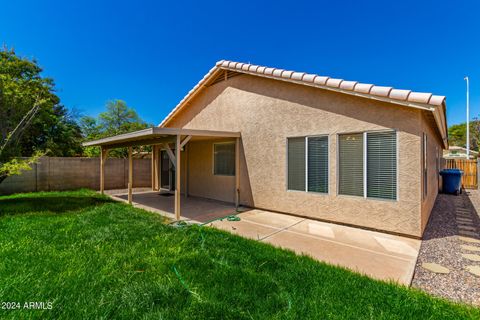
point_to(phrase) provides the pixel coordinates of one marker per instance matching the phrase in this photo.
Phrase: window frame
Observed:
(365, 164)
(306, 164)
(213, 159)
(424, 166)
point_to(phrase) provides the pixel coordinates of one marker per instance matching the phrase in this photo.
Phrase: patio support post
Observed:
(186, 171)
(130, 175)
(103, 158)
(157, 167)
(237, 173)
(177, 178)
(153, 167)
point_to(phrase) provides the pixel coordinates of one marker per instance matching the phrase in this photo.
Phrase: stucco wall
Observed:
(267, 112)
(434, 154)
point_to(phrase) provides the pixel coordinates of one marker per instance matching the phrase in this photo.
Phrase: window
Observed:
(350, 156)
(296, 164)
(382, 165)
(224, 159)
(308, 164)
(368, 164)
(425, 167)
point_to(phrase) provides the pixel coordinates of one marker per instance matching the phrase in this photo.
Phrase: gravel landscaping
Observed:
(446, 264)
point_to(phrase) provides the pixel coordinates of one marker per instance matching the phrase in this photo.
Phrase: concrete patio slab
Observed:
(381, 256)
(194, 209)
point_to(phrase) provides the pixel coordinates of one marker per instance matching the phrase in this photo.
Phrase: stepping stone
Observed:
(470, 248)
(461, 224)
(471, 256)
(467, 239)
(468, 233)
(463, 227)
(474, 270)
(463, 214)
(434, 267)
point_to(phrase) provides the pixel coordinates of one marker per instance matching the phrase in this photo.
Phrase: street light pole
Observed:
(468, 120)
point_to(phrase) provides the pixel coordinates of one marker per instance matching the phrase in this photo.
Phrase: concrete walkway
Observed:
(381, 256)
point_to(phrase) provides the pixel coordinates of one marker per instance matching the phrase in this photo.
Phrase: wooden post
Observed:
(157, 167)
(130, 175)
(186, 170)
(177, 178)
(103, 158)
(152, 170)
(237, 173)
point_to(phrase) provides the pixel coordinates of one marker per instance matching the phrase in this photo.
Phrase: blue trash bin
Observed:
(452, 179)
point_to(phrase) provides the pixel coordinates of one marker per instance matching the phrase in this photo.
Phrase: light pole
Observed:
(468, 120)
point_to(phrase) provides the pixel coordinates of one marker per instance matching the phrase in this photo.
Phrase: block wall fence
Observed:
(64, 173)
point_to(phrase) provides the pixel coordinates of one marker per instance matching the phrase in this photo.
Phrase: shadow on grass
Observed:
(55, 204)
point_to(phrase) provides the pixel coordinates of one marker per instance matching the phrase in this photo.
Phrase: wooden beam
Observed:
(130, 175)
(146, 142)
(237, 173)
(103, 159)
(170, 154)
(177, 179)
(185, 141)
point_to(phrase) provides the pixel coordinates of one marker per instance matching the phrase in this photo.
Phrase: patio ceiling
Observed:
(156, 135)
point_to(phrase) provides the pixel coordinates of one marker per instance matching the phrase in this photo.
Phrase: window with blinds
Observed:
(350, 160)
(317, 173)
(308, 164)
(224, 159)
(368, 164)
(382, 165)
(296, 164)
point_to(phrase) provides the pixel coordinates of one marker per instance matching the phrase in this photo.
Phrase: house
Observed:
(303, 144)
(455, 152)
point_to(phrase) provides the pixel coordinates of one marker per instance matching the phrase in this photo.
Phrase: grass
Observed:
(94, 258)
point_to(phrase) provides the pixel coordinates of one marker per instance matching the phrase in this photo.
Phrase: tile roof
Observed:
(307, 78)
(408, 97)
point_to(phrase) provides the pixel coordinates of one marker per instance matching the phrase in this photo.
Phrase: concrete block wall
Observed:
(57, 173)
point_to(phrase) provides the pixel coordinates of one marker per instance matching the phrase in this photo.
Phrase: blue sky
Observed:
(151, 53)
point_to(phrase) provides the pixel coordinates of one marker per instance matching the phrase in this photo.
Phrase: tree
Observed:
(117, 119)
(32, 118)
(457, 134)
(21, 87)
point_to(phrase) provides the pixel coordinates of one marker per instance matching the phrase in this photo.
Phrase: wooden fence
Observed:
(469, 168)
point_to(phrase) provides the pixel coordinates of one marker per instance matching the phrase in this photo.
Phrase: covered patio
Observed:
(170, 171)
(194, 209)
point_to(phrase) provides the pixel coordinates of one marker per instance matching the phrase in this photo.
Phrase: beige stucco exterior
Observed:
(267, 112)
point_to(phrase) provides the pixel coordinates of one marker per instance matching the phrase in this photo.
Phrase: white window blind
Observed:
(296, 164)
(317, 164)
(382, 165)
(224, 159)
(350, 153)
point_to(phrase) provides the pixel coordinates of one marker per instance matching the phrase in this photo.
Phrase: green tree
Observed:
(117, 119)
(457, 134)
(31, 116)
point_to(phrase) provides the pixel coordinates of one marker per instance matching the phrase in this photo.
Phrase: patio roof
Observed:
(156, 135)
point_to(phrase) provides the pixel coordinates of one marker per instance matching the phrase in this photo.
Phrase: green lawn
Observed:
(94, 258)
